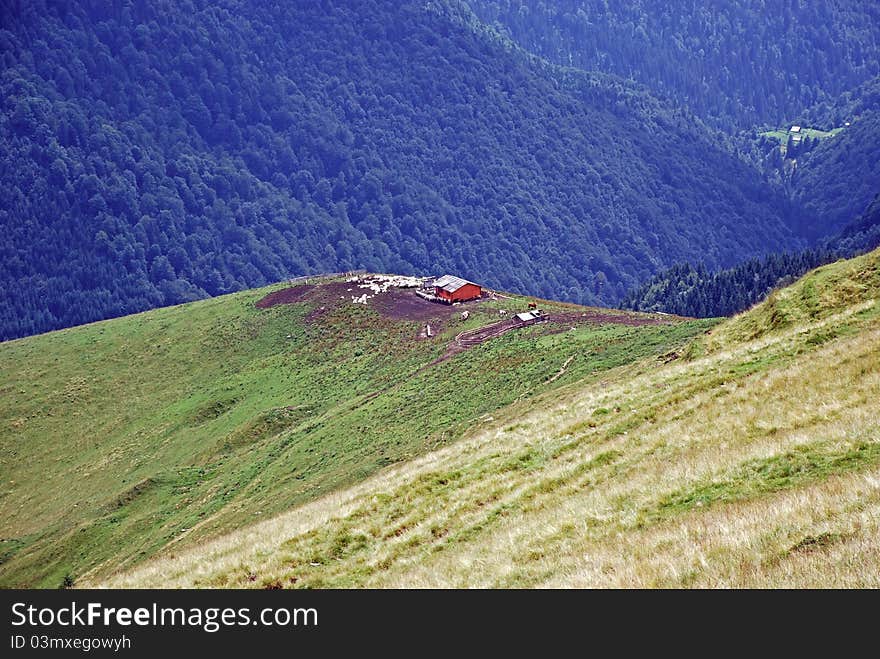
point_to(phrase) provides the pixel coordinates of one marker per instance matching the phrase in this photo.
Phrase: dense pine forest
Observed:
(155, 153)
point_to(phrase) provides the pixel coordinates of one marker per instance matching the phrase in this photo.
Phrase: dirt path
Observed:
(561, 371)
(470, 338)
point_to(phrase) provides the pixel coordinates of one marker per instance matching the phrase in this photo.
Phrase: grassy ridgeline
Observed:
(753, 460)
(147, 433)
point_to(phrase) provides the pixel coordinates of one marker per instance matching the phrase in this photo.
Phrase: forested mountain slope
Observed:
(736, 64)
(159, 152)
(833, 183)
(695, 290)
(830, 168)
(744, 66)
(836, 112)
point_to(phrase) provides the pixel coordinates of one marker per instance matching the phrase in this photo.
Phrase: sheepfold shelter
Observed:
(456, 289)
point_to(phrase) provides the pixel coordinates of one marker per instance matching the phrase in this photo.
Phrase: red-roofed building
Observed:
(455, 289)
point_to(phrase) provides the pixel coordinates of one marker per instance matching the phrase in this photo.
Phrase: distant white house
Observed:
(794, 129)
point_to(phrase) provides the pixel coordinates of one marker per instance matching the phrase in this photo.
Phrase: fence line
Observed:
(325, 275)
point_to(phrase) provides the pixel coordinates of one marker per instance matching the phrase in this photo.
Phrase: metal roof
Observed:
(526, 316)
(451, 283)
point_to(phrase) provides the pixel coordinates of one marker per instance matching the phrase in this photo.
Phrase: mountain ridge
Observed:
(141, 176)
(742, 462)
(154, 430)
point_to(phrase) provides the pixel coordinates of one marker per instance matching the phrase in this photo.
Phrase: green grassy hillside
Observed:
(750, 458)
(150, 433)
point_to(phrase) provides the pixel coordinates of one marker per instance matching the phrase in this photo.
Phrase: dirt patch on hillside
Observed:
(404, 304)
(395, 298)
(286, 296)
(395, 303)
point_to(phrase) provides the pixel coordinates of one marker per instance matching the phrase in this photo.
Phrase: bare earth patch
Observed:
(286, 296)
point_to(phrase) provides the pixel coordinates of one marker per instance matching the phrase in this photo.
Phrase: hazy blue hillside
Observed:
(695, 290)
(158, 153)
(834, 182)
(736, 64)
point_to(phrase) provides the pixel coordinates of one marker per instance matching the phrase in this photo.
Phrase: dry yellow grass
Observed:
(757, 465)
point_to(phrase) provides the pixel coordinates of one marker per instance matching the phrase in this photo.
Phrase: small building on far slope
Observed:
(450, 288)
